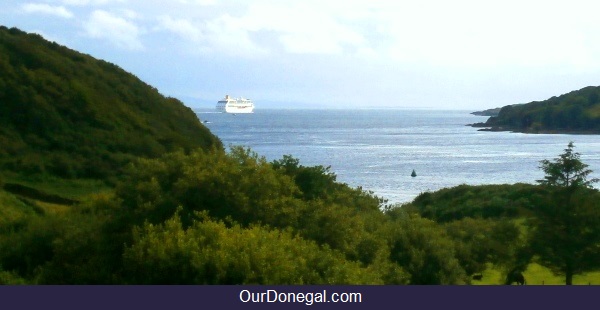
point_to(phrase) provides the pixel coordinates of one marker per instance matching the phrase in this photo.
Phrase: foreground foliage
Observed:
(221, 218)
(209, 252)
(216, 217)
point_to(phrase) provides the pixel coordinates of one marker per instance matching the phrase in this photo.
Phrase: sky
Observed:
(432, 54)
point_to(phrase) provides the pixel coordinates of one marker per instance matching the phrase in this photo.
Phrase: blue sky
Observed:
(328, 53)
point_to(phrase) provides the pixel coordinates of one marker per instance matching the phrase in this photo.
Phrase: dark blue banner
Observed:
(297, 297)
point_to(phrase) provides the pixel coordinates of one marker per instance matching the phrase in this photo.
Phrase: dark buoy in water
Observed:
(413, 174)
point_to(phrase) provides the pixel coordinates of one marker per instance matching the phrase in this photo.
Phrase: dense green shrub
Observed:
(424, 250)
(209, 252)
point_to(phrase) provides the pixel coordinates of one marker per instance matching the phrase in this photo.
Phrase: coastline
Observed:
(489, 128)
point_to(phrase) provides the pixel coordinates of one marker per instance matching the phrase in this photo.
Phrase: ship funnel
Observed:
(226, 96)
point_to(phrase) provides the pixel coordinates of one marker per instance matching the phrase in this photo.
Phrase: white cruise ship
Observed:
(235, 105)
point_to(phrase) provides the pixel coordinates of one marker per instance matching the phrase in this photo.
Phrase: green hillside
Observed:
(574, 112)
(66, 114)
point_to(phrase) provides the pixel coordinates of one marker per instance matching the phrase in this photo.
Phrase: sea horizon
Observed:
(258, 107)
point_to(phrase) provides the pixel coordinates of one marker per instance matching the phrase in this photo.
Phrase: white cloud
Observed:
(199, 2)
(182, 27)
(116, 29)
(434, 32)
(89, 2)
(303, 27)
(457, 33)
(41, 8)
(222, 35)
(131, 14)
(266, 26)
(228, 34)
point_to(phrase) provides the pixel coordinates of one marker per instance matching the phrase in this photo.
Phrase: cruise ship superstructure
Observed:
(235, 105)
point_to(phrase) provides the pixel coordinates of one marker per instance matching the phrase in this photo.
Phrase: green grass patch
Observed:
(540, 275)
(52, 208)
(76, 189)
(491, 276)
(13, 211)
(536, 274)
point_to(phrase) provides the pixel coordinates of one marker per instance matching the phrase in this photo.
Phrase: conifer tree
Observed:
(566, 236)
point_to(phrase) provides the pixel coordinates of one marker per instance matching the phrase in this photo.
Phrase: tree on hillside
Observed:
(566, 237)
(567, 171)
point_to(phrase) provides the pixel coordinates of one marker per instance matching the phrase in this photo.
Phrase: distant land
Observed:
(577, 112)
(488, 112)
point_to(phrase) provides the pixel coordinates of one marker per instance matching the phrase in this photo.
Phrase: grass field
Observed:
(72, 189)
(18, 208)
(538, 275)
(13, 210)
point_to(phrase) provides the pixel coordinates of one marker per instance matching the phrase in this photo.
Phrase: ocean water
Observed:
(378, 148)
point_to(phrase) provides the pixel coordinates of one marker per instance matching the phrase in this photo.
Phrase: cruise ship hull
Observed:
(230, 105)
(234, 109)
